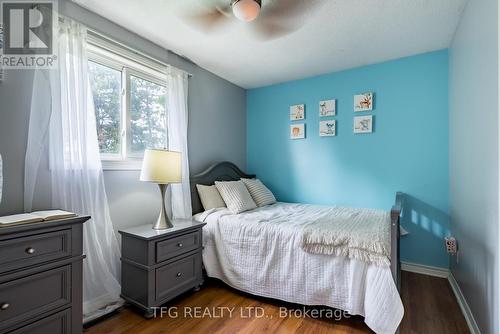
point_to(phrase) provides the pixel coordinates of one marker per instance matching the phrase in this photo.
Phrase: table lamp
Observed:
(162, 167)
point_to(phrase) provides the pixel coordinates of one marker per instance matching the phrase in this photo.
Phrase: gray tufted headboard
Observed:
(222, 171)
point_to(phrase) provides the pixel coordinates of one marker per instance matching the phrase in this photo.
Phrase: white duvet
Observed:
(259, 252)
(362, 234)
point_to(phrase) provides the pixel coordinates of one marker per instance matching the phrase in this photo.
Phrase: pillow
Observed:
(236, 196)
(259, 192)
(210, 197)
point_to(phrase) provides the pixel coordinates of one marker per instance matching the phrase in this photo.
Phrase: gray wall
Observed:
(217, 129)
(474, 157)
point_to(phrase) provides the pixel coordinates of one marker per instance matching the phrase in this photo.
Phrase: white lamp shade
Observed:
(246, 10)
(161, 166)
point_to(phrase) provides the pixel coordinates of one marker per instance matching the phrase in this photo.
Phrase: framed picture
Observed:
(327, 108)
(363, 102)
(297, 131)
(327, 128)
(363, 124)
(297, 112)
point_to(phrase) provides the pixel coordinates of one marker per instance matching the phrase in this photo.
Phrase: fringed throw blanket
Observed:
(362, 234)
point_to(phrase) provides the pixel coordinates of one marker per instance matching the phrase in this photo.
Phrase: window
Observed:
(106, 84)
(130, 106)
(148, 118)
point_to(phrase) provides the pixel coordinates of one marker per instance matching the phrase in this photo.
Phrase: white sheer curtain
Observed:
(1, 177)
(177, 109)
(62, 117)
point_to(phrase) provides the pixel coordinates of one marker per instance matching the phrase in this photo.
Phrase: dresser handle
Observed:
(179, 244)
(30, 250)
(4, 306)
(179, 274)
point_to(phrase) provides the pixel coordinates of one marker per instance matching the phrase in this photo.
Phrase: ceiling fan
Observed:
(268, 19)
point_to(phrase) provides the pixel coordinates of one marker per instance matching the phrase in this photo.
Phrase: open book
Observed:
(34, 217)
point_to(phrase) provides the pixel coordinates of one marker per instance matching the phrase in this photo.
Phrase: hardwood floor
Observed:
(430, 307)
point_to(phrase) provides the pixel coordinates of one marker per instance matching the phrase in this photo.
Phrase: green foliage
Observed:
(106, 87)
(147, 115)
(148, 119)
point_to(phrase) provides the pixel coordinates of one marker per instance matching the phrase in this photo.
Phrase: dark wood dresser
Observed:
(159, 265)
(41, 277)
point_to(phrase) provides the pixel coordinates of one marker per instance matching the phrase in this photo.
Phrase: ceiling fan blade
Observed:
(287, 9)
(268, 30)
(207, 20)
(226, 9)
(279, 18)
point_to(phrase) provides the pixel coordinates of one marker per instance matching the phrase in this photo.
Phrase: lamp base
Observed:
(162, 223)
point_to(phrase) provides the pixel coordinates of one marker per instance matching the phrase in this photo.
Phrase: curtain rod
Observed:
(142, 54)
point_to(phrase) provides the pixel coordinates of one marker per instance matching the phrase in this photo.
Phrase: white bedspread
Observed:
(259, 252)
(362, 234)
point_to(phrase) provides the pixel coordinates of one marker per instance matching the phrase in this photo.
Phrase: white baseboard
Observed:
(425, 270)
(445, 273)
(469, 317)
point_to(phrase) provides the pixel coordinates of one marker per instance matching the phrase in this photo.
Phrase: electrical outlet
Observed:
(451, 245)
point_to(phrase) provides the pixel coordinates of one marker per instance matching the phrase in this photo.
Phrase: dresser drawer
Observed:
(174, 277)
(34, 249)
(176, 246)
(59, 323)
(28, 297)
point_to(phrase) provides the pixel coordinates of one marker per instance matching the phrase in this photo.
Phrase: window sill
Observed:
(131, 164)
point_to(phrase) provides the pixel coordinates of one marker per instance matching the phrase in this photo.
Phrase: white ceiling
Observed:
(334, 35)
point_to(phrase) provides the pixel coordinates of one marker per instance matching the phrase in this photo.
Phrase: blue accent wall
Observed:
(408, 150)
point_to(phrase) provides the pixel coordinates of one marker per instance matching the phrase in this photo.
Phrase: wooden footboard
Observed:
(395, 234)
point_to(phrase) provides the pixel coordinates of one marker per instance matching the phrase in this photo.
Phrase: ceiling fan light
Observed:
(246, 10)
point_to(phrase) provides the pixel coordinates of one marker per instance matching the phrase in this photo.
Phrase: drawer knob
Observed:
(30, 250)
(4, 306)
(179, 244)
(179, 274)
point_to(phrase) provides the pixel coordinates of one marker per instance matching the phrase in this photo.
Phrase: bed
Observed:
(257, 252)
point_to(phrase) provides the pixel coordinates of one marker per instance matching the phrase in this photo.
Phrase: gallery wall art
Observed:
(327, 128)
(363, 124)
(297, 112)
(297, 131)
(363, 102)
(327, 108)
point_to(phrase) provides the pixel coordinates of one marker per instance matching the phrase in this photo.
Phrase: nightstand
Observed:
(159, 265)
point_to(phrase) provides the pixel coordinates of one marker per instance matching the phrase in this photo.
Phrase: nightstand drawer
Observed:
(59, 323)
(170, 248)
(172, 278)
(31, 296)
(34, 249)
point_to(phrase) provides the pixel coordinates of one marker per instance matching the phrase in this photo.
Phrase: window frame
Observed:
(128, 66)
